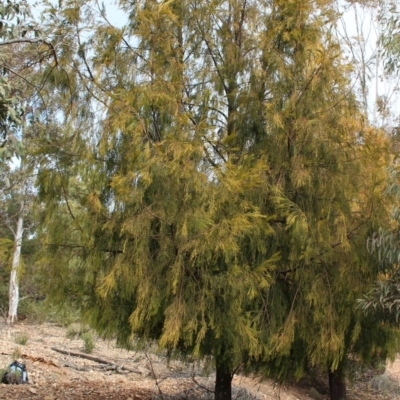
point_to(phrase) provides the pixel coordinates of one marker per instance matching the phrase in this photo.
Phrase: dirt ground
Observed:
(59, 369)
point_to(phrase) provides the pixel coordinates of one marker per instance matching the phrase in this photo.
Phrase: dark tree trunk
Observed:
(337, 385)
(223, 384)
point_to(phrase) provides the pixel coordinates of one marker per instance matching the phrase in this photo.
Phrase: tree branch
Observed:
(154, 215)
(32, 41)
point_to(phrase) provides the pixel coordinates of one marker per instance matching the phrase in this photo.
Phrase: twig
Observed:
(154, 215)
(154, 375)
(32, 41)
(69, 208)
(201, 386)
(236, 370)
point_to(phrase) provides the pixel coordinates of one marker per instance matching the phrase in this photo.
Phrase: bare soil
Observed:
(58, 369)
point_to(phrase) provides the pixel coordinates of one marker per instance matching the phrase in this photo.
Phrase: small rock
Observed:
(32, 390)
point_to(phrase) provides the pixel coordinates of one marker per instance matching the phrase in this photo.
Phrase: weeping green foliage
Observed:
(320, 152)
(222, 194)
(167, 238)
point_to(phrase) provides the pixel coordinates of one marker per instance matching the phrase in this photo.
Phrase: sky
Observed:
(355, 22)
(114, 14)
(361, 25)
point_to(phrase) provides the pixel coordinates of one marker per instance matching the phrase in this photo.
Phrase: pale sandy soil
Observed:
(137, 375)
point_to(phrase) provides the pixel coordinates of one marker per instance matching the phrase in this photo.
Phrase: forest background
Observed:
(217, 176)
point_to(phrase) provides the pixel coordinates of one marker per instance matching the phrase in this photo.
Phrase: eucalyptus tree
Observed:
(22, 101)
(10, 111)
(16, 207)
(23, 48)
(390, 20)
(209, 201)
(383, 298)
(17, 194)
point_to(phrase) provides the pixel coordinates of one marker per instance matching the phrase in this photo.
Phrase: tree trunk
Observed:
(13, 294)
(223, 383)
(337, 385)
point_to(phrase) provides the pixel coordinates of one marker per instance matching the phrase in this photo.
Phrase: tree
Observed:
(320, 140)
(13, 210)
(24, 54)
(19, 33)
(168, 212)
(210, 202)
(382, 299)
(390, 36)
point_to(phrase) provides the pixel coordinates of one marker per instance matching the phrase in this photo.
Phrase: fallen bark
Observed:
(35, 359)
(40, 359)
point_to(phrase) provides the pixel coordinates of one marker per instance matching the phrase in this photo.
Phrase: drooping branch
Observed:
(350, 234)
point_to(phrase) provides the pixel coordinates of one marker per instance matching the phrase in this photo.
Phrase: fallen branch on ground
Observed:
(110, 364)
(73, 366)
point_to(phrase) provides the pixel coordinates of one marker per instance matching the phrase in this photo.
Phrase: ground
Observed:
(59, 369)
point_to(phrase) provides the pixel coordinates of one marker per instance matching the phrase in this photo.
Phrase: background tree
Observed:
(15, 206)
(19, 33)
(22, 59)
(382, 300)
(318, 141)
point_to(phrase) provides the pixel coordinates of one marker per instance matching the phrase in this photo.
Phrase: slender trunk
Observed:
(223, 383)
(377, 66)
(337, 385)
(13, 297)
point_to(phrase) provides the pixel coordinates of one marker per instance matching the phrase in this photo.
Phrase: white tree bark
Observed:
(13, 294)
